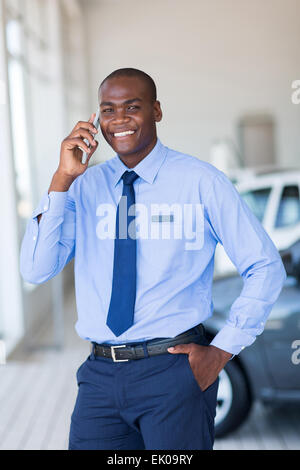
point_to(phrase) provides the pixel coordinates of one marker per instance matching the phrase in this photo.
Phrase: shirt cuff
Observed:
(52, 204)
(232, 340)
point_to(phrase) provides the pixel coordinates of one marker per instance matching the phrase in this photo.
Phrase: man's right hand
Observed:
(70, 154)
(70, 165)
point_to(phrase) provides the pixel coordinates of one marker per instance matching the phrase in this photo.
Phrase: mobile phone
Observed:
(96, 123)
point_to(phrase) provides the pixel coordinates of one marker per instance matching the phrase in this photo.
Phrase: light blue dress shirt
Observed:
(174, 283)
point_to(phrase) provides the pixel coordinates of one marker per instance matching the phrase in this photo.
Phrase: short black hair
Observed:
(131, 72)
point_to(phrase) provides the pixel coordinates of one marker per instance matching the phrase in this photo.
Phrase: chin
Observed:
(123, 149)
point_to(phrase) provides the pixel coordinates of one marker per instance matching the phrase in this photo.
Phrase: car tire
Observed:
(233, 400)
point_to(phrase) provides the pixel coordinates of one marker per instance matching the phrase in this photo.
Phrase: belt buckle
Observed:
(113, 354)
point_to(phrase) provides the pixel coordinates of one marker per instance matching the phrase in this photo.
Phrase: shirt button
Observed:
(45, 208)
(34, 238)
(243, 347)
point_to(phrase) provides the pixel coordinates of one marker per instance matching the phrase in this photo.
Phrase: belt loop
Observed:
(145, 349)
(92, 355)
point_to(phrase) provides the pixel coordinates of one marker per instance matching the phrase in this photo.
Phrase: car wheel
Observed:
(233, 400)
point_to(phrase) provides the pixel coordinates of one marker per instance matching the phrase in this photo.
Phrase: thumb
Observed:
(92, 117)
(180, 349)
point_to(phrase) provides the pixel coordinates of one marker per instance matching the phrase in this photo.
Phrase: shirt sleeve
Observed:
(256, 258)
(49, 245)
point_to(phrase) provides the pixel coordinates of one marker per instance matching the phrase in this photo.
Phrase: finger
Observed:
(85, 134)
(180, 349)
(76, 142)
(85, 125)
(91, 154)
(93, 149)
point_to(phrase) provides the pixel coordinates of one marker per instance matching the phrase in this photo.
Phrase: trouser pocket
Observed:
(209, 394)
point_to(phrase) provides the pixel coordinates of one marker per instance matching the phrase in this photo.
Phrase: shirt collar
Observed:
(147, 168)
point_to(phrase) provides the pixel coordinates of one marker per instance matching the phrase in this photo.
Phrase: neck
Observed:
(135, 158)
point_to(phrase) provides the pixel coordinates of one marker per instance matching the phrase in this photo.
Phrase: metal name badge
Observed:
(162, 218)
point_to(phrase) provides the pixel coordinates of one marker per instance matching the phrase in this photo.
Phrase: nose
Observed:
(120, 116)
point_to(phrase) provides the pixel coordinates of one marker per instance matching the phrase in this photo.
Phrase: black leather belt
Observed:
(154, 347)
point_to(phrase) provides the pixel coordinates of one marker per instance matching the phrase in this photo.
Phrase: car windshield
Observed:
(257, 201)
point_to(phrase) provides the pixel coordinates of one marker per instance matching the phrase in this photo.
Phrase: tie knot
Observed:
(129, 177)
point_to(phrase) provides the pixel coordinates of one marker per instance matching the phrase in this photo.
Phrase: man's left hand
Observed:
(206, 361)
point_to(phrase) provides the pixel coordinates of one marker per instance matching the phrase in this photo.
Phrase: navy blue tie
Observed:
(121, 308)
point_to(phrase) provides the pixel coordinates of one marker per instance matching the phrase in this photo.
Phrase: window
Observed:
(257, 201)
(18, 114)
(289, 207)
(32, 58)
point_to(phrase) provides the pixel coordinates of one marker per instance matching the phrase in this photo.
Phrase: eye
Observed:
(132, 107)
(107, 110)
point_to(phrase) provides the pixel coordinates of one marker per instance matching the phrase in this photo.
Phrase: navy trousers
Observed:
(151, 403)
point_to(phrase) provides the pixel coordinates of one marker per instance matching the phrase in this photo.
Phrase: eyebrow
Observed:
(109, 103)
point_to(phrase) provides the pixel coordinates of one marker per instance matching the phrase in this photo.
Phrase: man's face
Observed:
(128, 116)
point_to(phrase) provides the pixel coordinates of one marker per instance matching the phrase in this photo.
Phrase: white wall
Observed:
(213, 61)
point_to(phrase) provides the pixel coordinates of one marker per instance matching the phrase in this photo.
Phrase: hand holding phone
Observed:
(96, 123)
(80, 141)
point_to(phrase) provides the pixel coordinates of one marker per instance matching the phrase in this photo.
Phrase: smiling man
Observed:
(151, 379)
(128, 124)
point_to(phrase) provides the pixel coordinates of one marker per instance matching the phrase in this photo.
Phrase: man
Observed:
(151, 379)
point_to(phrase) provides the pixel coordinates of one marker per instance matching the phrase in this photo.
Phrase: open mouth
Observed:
(122, 134)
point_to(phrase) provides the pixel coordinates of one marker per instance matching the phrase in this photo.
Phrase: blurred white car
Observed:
(274, 197)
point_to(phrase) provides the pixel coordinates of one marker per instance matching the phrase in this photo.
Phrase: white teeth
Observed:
(121, 134)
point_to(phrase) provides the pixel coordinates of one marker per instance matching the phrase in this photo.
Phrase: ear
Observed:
(157, 111)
